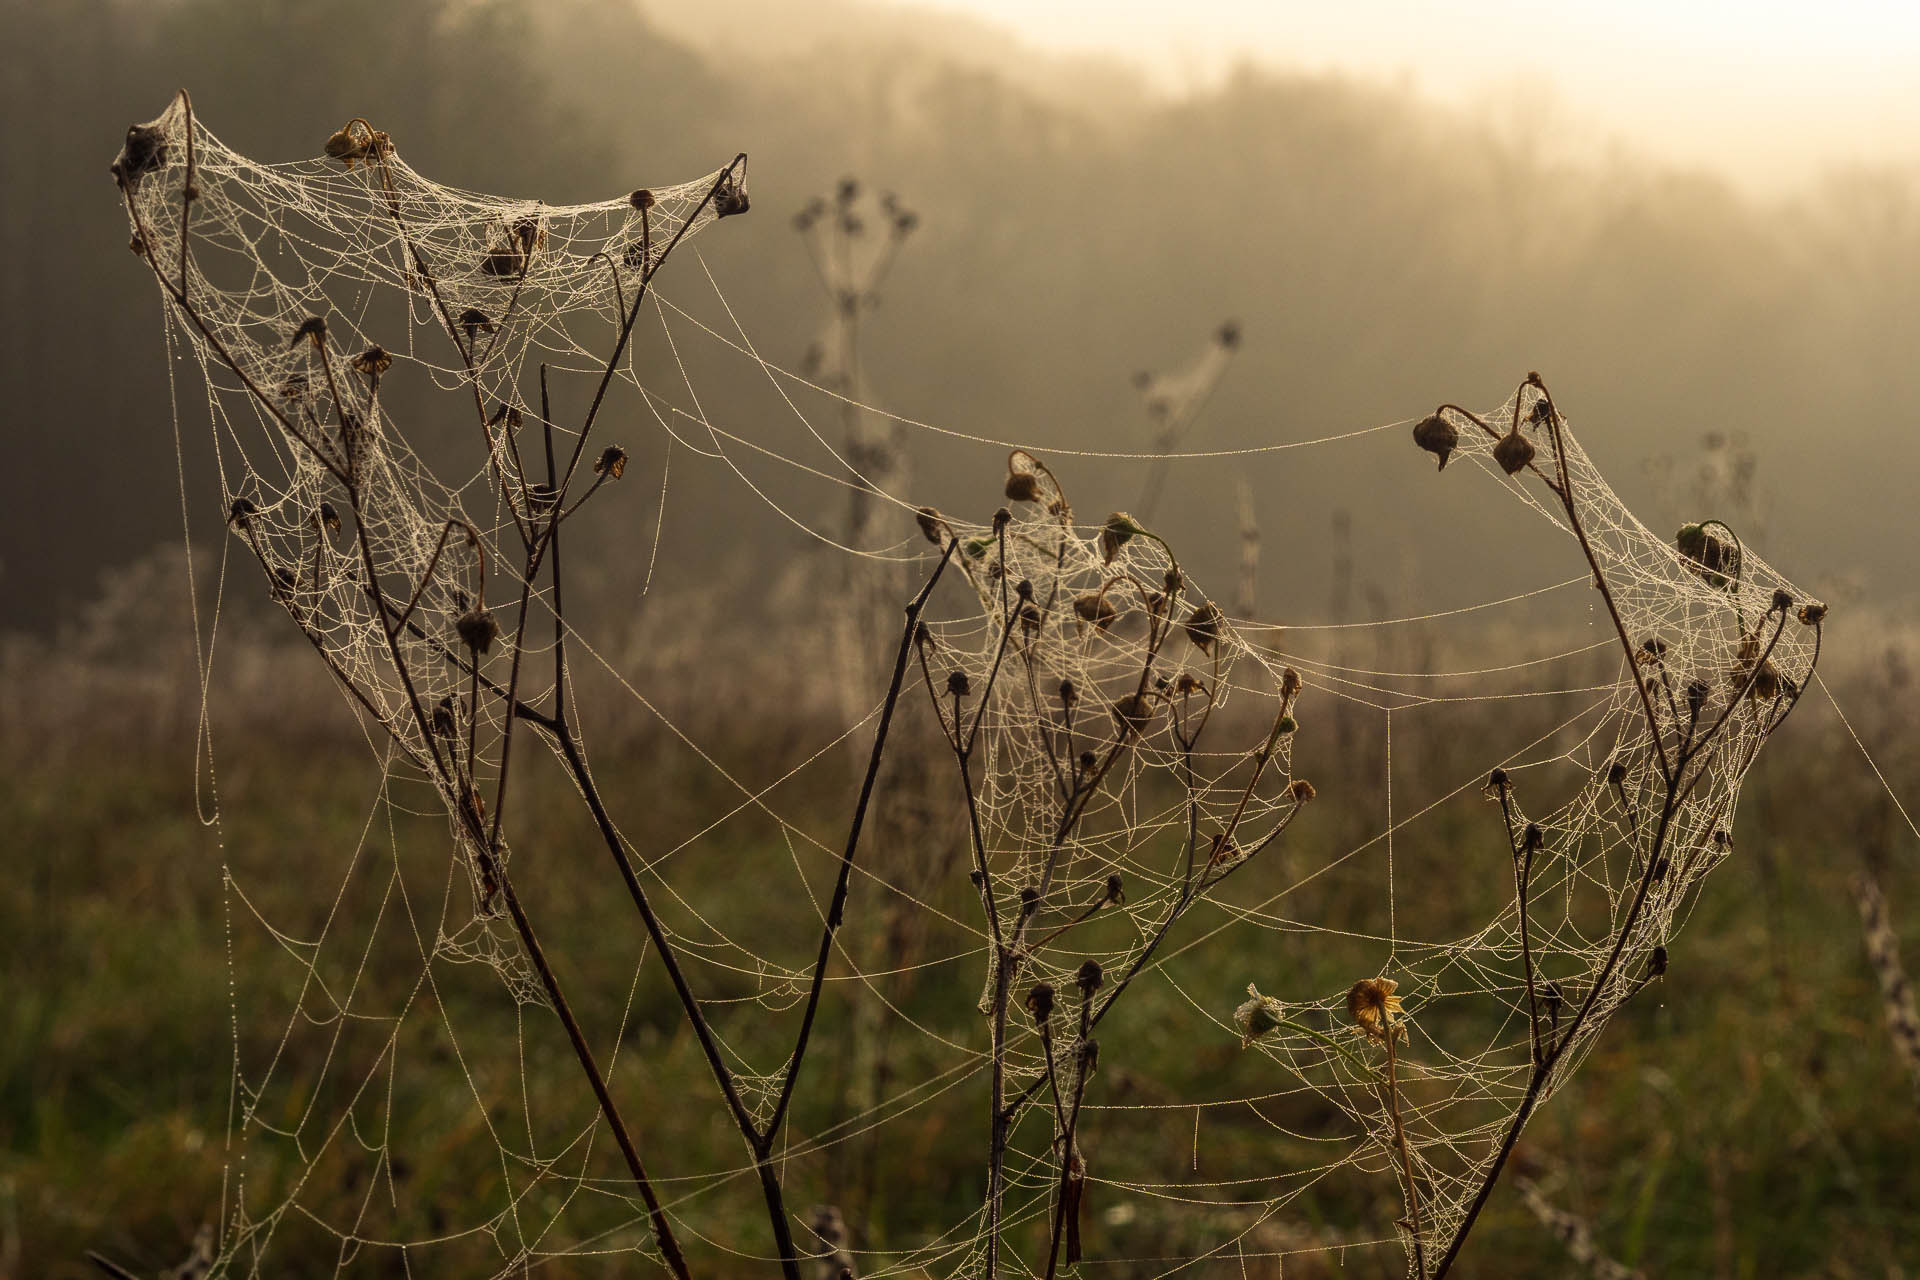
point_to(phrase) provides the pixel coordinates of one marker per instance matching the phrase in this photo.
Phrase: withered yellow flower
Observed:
(1374, 1008)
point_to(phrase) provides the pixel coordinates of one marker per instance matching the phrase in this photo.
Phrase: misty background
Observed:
(1382, 250)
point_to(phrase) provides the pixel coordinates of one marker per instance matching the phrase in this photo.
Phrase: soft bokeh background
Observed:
(1700, 222)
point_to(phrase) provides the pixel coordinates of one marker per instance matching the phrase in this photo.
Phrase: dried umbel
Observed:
(1375, 1010)
(1437, 436)
(1258, 1016)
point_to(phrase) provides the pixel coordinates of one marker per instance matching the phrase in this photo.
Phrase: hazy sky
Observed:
(1770, 93)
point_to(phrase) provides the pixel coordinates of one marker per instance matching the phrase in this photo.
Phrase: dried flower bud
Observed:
(346, 146)
(1089, 978)
(1657, 962)
(1652, 649)
(1496, 780)
(1782, 600)
(931, 524)
(1023, 589)
(1289, 682)
(1301, 790)
(958, 685)
(1187, 684)
(1001, 519)
(1697, 692)
(1029, 897)
(1513, 451)
(477, 629)
(1287, 725)
(1259, 1015)
(1087, 761)
(1068, 693)
(1437, 436)
(444, 723)
(1813, 613)
(1116, 889)
(1203, 627)
(612, 462)
(1533, 837)
(1022, 487)
(1040, 1003)
(329, 517)
(1616, 773)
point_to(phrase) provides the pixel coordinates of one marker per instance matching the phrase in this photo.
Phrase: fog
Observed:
(1385, 243)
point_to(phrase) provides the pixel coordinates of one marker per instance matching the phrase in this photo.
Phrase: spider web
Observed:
(1126, 749)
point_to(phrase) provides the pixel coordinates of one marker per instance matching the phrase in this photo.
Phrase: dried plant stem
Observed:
(1406, 1159)
(1677, 786)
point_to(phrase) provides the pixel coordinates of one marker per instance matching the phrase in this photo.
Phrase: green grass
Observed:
(1744, 1118)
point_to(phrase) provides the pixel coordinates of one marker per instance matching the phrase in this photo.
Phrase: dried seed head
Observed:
(1117, 532)
(1712, 557)
(1029, 897)
(1616, 773)
(1022, 487)
(1533, 837)
(1087, 761)
(444, 724)
(1697, 692)
(931, 525)
(1301, 790)
(1040, 1003)
(1652, 649)
(238, 513)
(1782, 600)
(1001, 519)
(613, 462)
(1289, 682)
(1496, 780)
(1286, 725)
(1375, 1010)
(958, 685)
(346, 146)
(474, 320)
(1437, 436)
(1657, 962)
(144, 151)
(313, 327)
(1813, 613)
(1135, 712)
(730, 197)
(1023, 589)
(1258, 1015)
(329, 517)
(1513, 451)
(1187, 684)
(1116, 889)
(1094, 607)
(477, 629)
(373, 362)
(1203, 627)
(641, 199)
(1068, 693)
(1090, 977)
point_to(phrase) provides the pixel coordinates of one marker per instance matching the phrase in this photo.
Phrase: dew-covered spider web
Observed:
(1102, 815)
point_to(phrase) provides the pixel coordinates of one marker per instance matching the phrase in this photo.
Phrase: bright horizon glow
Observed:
(1770, 94)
